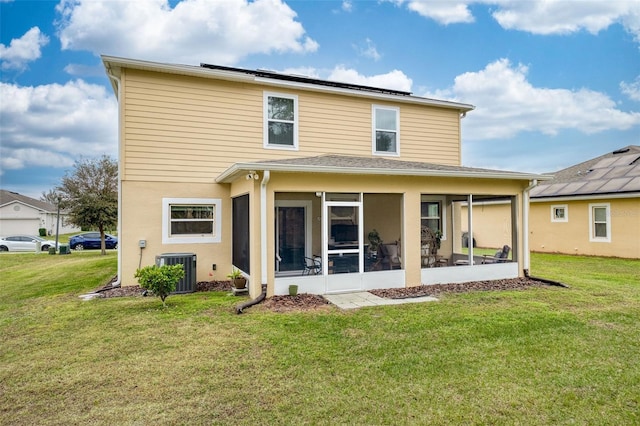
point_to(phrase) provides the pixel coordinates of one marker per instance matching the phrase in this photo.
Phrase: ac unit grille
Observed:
(188, 261)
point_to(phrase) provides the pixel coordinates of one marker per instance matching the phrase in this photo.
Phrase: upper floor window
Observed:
(600, 223)
(386, 130)
(191, 220)
(559, 213)
(280, 121)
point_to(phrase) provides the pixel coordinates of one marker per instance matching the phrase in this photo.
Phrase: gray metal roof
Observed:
(7, 197)
(344, 164)
(616, 172)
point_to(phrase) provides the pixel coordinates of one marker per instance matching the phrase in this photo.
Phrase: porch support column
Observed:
(525, 226)
(263, 228)
(411, 239)
(470, 221)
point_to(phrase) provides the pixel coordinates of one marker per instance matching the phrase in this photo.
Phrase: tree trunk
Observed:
(103, 245)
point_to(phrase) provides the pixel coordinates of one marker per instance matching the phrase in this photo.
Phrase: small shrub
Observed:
(161, 280)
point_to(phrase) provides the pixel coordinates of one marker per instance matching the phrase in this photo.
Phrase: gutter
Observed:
(118, 84)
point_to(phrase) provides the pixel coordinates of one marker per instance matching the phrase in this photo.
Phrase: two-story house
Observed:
(284, 177)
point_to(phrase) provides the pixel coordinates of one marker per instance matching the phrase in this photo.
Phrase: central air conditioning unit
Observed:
(188, 261)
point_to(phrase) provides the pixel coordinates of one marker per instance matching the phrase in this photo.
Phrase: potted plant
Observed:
(239, 281)
(374, 241)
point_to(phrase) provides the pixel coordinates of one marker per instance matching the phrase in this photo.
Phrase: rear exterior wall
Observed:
(572, 235)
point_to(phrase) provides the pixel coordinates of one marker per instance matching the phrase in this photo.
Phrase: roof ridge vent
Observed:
(620, 151)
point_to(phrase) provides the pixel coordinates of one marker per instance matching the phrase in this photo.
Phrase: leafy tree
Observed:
(50, 197)
(161, 280)
(90, 195)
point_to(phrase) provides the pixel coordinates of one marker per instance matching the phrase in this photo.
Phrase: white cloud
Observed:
(369, 50)
(194, 31)
(632, 90)
(395, 80)
(562, 16)
(507, 104)
(347, 6)
(392, 80)
(52, 125)
(443, 12)
(538, 16)
(23, 50)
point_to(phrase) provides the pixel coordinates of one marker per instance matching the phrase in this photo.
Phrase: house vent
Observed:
(620, 151)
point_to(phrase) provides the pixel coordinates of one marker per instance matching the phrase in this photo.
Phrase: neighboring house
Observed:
(264, 171)
(592, 208)
(20, 214)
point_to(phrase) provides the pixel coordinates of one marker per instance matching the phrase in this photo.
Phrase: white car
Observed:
(24, 243)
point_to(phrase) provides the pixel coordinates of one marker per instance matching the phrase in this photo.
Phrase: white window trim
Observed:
(166, 216)
(592, 236)
(374, 108)
(443, 213)
(265, 124)
(566, 213)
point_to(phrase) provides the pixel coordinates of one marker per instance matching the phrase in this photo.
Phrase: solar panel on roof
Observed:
(614, 185)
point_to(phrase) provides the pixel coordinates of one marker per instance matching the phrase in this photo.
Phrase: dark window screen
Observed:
(240, 237)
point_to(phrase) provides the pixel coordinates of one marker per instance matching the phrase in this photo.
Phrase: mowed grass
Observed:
(539, 356)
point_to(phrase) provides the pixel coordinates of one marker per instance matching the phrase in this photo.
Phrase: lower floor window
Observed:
(190, 220)
(600, 223)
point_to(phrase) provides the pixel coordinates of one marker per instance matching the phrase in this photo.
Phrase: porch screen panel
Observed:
(240, 233)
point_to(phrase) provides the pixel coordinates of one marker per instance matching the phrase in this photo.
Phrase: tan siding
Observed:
(196, 128)
(572, 237)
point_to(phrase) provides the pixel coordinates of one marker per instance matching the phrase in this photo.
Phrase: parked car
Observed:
(91, 240)
(24, 243)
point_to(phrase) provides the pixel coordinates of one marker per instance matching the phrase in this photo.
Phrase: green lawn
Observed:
(539, 356)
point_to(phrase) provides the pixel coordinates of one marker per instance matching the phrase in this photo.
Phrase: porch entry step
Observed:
(361, 299)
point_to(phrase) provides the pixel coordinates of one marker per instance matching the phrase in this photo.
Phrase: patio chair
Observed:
(390, 256)
(312, 266)
(501, 256)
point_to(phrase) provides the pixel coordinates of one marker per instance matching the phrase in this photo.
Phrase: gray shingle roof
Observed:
(344, 164)
(7, 197)
(612, 173)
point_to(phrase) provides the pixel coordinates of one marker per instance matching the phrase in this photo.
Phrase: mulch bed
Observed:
(438, 289)
(310, 302)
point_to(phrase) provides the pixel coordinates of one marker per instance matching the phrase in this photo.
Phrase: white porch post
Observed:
(525, 225)
(264, 275)
(470, 221)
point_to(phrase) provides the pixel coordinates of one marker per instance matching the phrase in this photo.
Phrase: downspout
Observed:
(263, 245)
(118, 82)
(525, 225)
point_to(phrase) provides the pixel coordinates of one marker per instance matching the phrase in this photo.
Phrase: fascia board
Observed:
(25, 204)
(116, 63)
(240, 168)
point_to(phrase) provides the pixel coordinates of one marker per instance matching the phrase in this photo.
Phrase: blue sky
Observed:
(554, 82)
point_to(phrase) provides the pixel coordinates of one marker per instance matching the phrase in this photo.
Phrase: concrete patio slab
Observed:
(362, 299)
